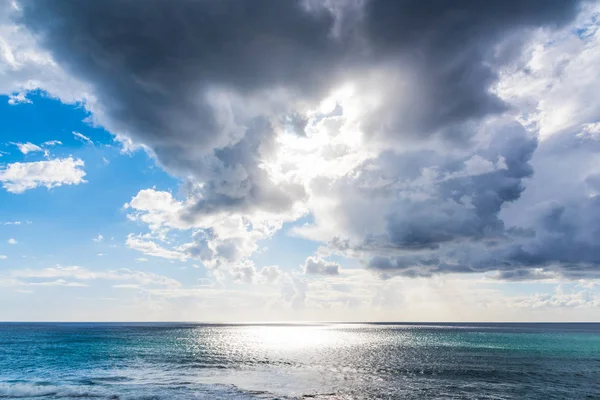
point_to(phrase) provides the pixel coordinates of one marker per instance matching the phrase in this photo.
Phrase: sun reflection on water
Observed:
(289, 337)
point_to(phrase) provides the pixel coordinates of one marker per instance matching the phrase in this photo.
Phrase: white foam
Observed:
(25, 390)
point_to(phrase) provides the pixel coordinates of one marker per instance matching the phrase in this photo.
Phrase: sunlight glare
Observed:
(291, 337)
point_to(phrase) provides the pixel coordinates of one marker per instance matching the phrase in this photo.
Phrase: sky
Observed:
(302, 160)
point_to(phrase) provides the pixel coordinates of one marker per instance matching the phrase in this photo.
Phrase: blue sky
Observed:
(97, 202)
(85, 224)
(285, 175)
(78, 214)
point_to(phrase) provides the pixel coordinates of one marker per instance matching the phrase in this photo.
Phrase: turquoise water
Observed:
(326, 361)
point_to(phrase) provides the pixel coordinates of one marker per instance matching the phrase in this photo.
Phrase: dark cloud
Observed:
(232, 178)
(566, 239)
(557, 225)
(205, 85)
(421, 213)
(460, 204)
(546, 239)
(445, 218)
(166, 72)
(451, 52)
(524, 275)
(177, 76)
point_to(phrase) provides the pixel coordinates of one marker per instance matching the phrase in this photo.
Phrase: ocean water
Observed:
(321, 361)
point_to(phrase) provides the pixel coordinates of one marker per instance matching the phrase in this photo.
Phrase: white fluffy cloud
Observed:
(27, 148)
(18, 177)
(553, 87)
(25, 66)
(222, 241)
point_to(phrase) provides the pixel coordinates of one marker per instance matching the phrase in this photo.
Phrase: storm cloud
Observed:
(187, 77)
(210, 88)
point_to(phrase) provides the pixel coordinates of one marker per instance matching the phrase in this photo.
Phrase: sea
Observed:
(147, 361)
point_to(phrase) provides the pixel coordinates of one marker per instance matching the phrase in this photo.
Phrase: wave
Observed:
(29, 390)
(41, 390)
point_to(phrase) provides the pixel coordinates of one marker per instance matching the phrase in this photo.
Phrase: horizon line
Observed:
(303, 322)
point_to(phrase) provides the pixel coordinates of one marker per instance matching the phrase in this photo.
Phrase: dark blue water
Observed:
(327, 361)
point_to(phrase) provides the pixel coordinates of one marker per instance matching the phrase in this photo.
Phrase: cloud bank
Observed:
(422, 137)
